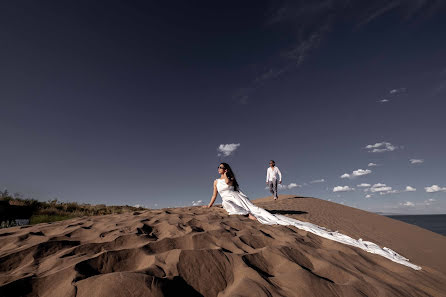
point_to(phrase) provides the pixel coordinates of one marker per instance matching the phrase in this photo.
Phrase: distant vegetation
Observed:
(14, 210)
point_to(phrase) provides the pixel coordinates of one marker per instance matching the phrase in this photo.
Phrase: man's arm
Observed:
(267, 175)
(280, 174)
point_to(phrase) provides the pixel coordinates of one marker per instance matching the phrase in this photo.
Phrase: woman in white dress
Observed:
(237, 203)
(234, 201)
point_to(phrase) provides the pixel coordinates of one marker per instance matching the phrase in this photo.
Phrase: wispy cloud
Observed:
(434, 189)
(270, 74)
(356, 173)
(307, 37)
(342, 189)
(242, 95)
(409, 9)
(429, 201)
(196, 203)
(227, 149)
(416, 161)
(289, 186)
(393, 94)
(381, 147)
(384, 189)
(310, 22)
(372, 164)
(397, 91)
(368, 196)
(299, 52)
(363, 185)
(440, 88)
(317, 181)
(377, 12)
(408, 203)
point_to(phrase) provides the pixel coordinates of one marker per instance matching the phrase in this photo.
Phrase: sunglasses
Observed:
(219, 167)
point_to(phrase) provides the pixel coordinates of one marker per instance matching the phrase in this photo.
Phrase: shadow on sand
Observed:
(284, 212)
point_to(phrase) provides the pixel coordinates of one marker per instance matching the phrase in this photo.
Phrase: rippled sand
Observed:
(204, 252)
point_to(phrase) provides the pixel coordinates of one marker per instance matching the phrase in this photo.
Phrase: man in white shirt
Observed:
(271, 178)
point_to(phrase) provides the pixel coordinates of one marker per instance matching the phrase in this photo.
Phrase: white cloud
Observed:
(227, 149)
(434, 189)
(397, 91)
(383, 189)
(372, 164)
(380, 188)
(356, 173)
(368, 196)
(342, 189)
(410, 189)
(361, 172)
(287, 187)
(416, 161)
(429, 201)
(363, 185)
(392, 94)
(381, 147)
(317, 181)
(196, 203)
(408, 203)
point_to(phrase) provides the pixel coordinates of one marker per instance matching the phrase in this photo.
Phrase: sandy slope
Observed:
(200, 252)
(419, 245)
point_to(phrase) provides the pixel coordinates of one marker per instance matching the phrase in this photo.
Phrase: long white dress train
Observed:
(237, 203)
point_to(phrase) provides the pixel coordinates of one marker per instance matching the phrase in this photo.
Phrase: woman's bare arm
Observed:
(214, 196)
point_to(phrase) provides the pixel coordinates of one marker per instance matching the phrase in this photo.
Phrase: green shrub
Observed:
(37, 219)
(55, 210)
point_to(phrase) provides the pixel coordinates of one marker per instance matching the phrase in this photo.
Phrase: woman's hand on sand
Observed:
(206, 206)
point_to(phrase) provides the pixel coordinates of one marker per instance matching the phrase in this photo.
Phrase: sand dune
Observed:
(204, 252)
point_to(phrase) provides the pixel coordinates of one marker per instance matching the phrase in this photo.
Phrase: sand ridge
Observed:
(204, 252)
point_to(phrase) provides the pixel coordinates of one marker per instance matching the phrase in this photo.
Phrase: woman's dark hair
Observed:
(230, 174)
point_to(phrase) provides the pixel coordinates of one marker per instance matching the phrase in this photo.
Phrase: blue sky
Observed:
(128, 103)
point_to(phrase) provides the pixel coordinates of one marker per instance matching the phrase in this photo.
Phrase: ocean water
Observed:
(434, 223)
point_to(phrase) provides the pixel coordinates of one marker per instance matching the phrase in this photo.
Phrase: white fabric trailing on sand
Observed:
(237, 203)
